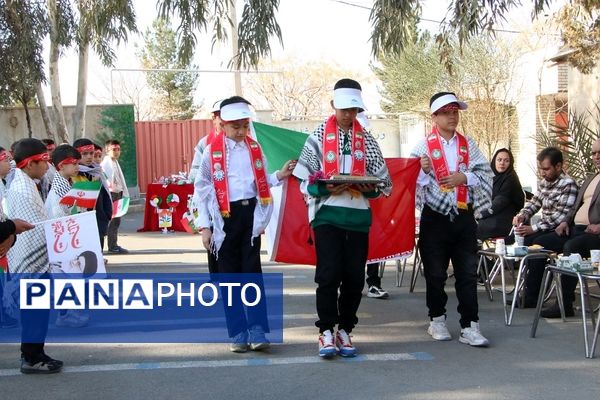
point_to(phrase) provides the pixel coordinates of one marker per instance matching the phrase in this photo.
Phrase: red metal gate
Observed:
(166, 147)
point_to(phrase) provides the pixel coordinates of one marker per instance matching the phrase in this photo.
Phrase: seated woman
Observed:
(507, 198)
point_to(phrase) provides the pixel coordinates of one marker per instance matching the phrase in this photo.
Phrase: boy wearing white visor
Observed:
(235, 200)
(340, 214)
(454, 186)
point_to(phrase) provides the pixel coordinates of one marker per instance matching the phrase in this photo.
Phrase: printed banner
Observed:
(149, 308)
(165, 218)
(73, 244)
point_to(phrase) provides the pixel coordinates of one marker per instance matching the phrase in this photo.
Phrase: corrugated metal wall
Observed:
(166, 147)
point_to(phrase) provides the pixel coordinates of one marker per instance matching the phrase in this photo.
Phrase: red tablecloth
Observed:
(150, 214)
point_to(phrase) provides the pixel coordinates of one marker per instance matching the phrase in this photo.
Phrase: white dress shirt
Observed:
(240, 176)
(451, 154)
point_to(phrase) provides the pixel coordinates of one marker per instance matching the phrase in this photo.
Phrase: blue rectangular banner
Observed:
(142, 308)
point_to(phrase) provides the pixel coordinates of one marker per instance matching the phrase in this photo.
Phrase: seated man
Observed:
(578, 233)
(555, 197)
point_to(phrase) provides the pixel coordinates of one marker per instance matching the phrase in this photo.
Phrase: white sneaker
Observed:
(438, 330)
(72, 319)
(344, 344)
(377, 293)
(327, 344)
(472, 336)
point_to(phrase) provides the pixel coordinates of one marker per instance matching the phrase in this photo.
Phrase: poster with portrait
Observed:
(74, 245)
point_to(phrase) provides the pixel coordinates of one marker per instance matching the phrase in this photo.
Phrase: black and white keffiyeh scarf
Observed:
(95, 171)
(311, 161)
(445, 202)
(60, 187)
(23, 200)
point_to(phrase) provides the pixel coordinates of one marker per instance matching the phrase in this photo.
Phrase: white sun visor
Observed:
(235, 111)
(348, 98)
(216, 106)
(447, 99)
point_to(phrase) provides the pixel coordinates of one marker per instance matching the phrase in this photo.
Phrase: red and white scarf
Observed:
(218, 169)
(331, 149)
(440, 165)
(211, 135)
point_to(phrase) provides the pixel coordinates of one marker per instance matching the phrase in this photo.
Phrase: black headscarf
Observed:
(500, 177)
(510, 177)
(511, 165)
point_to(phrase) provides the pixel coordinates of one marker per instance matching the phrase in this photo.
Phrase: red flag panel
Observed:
(392, 233)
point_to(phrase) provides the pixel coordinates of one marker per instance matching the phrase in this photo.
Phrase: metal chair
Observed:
(417, 267)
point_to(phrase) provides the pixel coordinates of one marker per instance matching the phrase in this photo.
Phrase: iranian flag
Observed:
(120, 207)
(289, 235)
(82, 194)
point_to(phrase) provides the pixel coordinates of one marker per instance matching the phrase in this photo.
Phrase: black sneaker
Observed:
(526, 303)
(117, 250)
(46, 365)
(554, 311)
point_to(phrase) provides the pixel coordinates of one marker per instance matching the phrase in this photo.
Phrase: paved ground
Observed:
(398, 359)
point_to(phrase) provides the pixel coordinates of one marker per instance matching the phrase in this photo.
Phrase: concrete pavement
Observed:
(398, 359)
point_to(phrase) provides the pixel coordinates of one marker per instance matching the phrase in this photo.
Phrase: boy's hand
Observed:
(454, 180)
(287, 169)
(206, 238)
(22, 226)
(366, 187)
(425, 163)
(6, 245)
(337, 189)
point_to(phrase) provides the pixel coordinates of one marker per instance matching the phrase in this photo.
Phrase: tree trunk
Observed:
(44, 112)
(79, 115)
(27, 118)
(61, 125)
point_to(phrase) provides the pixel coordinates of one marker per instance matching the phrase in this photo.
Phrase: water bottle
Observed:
(500, 246)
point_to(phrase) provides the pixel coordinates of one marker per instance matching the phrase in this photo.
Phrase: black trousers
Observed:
(373, 278)
(341, 258)
(114, 224)
(4, 278)
(213, 266)
(34, 328)
(238, 255)
(578, 241)
(442, 240)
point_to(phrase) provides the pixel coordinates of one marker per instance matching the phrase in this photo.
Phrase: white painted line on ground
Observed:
(251, 362)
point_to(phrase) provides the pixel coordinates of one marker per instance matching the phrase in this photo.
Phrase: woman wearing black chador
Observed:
(507, 198)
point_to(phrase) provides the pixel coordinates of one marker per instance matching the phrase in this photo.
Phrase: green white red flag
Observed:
(82, 194)
(289, 235)
(120, 207)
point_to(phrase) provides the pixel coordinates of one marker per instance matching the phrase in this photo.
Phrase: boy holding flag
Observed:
(90, 172)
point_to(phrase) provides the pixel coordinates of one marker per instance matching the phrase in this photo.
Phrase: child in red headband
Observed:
(29, 255)
(66, 160)
(118, 190)
(88, 171)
